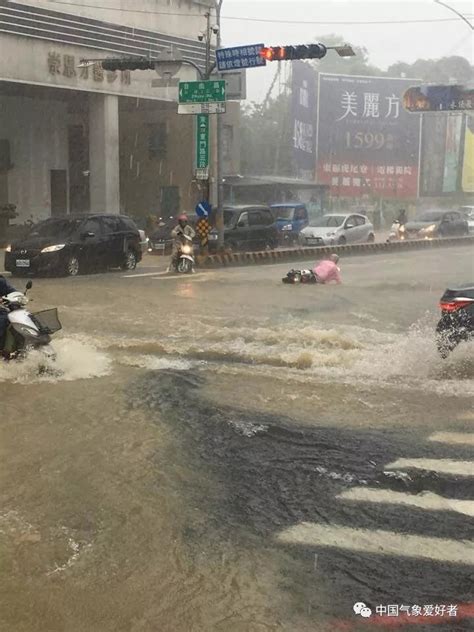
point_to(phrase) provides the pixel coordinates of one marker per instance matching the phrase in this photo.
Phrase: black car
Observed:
(250, 227)
(435, 224)
(73, 244)
(457, 318)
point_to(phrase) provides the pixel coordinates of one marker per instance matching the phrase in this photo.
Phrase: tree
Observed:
(443, 71)
(333, 63)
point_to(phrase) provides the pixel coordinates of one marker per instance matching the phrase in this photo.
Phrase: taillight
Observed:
(455, 305)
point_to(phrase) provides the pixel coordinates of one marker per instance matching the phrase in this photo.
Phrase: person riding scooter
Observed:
(5, 289)
(182, 229)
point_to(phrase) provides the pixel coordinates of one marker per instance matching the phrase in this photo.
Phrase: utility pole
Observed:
(207, 73)
(220, 157)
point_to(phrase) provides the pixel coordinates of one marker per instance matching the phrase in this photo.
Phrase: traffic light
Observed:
(288, 53)
(128, 64)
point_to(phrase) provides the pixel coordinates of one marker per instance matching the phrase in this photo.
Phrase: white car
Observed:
(469, 213)
(337, 229)
(143, 241)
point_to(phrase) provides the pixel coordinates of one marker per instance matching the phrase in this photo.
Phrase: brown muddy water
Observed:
(189, 421)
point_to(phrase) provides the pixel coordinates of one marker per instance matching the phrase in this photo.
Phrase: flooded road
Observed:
(223, 452)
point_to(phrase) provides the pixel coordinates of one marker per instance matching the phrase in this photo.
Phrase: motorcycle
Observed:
(184, 261)
(457, 319)
(27, 331)
(397, 232)
(300, 276)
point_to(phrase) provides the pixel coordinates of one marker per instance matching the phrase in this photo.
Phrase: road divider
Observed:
(318, 252)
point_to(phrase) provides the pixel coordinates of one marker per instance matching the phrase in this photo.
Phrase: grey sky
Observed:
(386, 43)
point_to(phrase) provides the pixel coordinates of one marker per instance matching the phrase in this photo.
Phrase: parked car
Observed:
(290, 219)
(468, 212)
(249, 227)
(73, 244)
(143, 241)
(435, 224)
(339, 229)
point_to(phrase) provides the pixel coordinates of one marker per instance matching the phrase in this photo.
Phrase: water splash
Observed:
(75, 360)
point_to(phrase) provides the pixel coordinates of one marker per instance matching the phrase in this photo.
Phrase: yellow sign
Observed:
(468, 163)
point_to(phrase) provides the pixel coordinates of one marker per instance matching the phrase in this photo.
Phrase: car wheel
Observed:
(72, 267)
(130, 261)
(342, 241)
(371, 238)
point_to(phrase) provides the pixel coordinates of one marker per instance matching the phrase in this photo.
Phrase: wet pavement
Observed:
(223, 452)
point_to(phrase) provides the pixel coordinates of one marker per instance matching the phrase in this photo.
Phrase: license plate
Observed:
(313, 242)
(158, 246)
(22, 263)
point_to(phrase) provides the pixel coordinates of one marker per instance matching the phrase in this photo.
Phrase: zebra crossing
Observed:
(391, 543)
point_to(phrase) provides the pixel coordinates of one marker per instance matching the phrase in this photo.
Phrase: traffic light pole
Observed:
(219, 162)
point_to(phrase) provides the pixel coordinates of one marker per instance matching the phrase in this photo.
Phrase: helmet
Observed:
(183, 217)
(334, 258)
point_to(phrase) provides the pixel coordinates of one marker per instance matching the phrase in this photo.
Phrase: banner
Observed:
(366, 142)
(468, 162)
(452, 153)
(303, 118)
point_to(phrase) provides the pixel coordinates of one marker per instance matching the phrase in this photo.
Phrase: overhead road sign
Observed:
(238, 57)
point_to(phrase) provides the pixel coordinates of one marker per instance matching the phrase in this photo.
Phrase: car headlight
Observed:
(53, 248)
(402, 228)
(186, 249)
(287, 227)
(330, 234)
(429, 229)
(8, 248)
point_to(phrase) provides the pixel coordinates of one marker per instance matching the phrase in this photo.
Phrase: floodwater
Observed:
(150, 484)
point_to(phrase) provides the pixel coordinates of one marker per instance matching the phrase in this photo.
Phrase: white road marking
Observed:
(144, 274)
(164, 275)
(464, 438)
(380, 542)
(424, 500)
(443, 466)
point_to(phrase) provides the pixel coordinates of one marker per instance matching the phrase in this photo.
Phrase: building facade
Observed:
(74, 137)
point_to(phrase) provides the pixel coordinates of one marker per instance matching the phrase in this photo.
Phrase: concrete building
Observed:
(79, 138)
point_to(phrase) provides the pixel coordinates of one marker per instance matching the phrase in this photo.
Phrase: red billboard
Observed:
(367, 143)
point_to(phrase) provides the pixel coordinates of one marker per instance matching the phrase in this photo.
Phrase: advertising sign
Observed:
(468, 163)
(453, 153)
(367, 143)
(303, 117)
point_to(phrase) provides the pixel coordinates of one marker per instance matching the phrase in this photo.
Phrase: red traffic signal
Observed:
(282, 53)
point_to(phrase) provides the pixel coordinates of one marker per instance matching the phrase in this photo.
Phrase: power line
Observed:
(247, 19)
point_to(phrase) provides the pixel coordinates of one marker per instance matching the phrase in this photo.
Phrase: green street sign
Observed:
(202, 141)
(201, 91)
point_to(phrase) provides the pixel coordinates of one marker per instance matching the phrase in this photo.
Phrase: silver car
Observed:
(339, 229)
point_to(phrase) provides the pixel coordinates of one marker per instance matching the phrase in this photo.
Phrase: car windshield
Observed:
(228, 218)
(328, 220)
(56, 228)
(283, 212)
(431, 216)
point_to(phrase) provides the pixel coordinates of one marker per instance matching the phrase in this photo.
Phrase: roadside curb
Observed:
(301, 254)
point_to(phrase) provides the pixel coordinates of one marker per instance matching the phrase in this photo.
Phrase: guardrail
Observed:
(302, 254)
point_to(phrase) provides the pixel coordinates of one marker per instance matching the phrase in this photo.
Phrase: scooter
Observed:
(27, 331)
(184, 263)
(397, 232)
(300, 276)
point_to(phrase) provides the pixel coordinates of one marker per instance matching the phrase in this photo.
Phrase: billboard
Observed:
(303, 118)
(468, 163)
(367, 143)
(452, 158)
